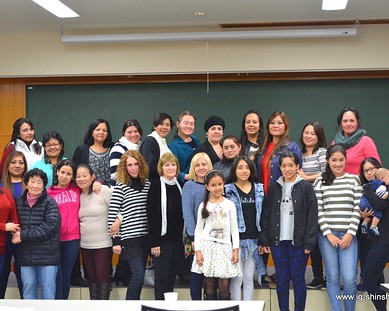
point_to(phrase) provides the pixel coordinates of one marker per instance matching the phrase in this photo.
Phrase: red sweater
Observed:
(8, 213)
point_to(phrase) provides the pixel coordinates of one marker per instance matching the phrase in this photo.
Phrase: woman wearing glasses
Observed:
(374, 249)
(53, 145)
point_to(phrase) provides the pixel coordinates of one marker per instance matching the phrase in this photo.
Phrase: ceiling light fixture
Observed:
(209, 36)
(334, 4)
(57, 8)
(199, 13)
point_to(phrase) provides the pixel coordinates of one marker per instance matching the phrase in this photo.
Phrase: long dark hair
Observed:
(253, 174)
(372, 161)
(243, 134)
(88, 138)
(321, 137)
(7, 178)
(285, 139)
(211, 174)
(16, 133)
(58, 167)
(328, 176)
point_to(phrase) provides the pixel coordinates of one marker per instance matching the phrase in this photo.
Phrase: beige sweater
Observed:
(93, 216)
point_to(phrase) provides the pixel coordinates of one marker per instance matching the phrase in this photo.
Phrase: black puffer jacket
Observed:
(40, 226)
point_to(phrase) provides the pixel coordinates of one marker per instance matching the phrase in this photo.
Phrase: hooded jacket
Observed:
(305, 214)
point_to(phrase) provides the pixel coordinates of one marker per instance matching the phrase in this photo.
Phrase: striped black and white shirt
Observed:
(131, 204)
(338, 204)
(315, 163)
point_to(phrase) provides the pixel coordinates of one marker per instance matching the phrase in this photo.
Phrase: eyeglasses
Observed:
(53, 145)
(369, 170)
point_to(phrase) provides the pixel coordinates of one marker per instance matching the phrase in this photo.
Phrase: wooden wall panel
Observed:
(12, 106)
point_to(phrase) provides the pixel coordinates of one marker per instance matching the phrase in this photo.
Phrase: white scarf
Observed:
(165, 182)
(163, 147)
(129, 145)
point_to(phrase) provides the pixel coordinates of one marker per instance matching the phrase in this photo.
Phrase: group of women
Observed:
(238, 199)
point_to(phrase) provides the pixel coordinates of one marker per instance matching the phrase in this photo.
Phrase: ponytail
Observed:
(204, 211)
(328, 177)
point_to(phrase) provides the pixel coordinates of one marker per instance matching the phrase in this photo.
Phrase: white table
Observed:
(385, 287)
(116, 305)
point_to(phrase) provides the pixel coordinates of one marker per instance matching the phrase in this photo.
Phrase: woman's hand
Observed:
(264, 249)
(16, 238)
(335, 241)
(307, 251)
(302, 174)
(115, 228)
(366, 213)
(235, 256)
(10, 226)
(156, 251)
(117, 249)
(346, 240)
(96, 187)
(199, 258)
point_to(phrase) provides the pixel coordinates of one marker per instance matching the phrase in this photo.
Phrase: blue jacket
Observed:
(183, 153)
(248, 246)
(233, 195)
(275, 171)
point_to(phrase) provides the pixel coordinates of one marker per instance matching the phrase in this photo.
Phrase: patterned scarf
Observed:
(348, 142)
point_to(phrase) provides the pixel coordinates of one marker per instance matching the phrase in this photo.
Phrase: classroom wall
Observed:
(43, 54)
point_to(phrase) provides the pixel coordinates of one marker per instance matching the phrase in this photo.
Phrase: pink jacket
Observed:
(68, 201)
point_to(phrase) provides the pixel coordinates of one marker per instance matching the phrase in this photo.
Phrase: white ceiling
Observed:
(25, 15)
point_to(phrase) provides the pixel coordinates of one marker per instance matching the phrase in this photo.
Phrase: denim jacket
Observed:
(233, 195)
(275, 171)
(248, 245)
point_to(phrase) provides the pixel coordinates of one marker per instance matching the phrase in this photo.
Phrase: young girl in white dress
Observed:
(216, 239)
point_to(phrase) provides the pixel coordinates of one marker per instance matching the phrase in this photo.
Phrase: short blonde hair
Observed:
(166, 158)
(122, 173)
(196, 157)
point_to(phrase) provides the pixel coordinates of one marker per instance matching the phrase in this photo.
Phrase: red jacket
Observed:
(8, 213)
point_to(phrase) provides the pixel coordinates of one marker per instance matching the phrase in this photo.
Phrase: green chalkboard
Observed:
(69, 109)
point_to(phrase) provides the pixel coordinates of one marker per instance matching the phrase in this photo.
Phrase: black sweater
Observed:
(383, 207)
(175, 220)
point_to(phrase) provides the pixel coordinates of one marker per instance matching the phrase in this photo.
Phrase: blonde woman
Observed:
(192, 195)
